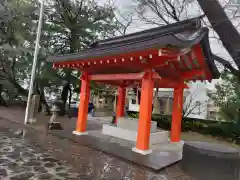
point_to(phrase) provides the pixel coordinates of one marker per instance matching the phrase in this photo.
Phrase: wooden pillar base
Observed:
(80, 133)
(142, 152)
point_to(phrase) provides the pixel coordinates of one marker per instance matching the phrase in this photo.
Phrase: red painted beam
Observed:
(117, 59)
(188, 75)
(115, 77)
(163, 84)
(146, 58)
(131, 78)
(170, 84)
(183, 62)
(125, 83)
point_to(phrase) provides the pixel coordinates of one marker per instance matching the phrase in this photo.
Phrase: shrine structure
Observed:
(164, 57)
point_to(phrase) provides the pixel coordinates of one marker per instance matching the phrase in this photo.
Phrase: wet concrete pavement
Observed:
(46, 157)
(76, 161)
(19, 160)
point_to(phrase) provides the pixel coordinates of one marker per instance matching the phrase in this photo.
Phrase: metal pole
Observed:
(34, 61)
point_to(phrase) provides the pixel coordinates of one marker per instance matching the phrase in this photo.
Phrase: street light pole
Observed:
(34, 61)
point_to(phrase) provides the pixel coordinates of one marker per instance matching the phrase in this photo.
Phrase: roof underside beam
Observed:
(134, 78)
(115, 77)
(160, 84)
(188, 75)
(146, 58)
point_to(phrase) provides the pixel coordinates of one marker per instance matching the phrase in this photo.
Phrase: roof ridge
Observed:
(163, 30)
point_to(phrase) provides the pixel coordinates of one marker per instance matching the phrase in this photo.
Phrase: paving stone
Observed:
(45, 176)
(32, 163)
(85, 177)
(20, 169)
(22, 176)
(12, 165)
(63, 174)
(6, 149)
(14, 155)
(40, 169)
(60, 168)
(3, 172)
(4, 161)
(27, 154)
(48, 159)
(50, 165)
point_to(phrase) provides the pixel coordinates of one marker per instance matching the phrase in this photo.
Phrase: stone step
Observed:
(167, 147)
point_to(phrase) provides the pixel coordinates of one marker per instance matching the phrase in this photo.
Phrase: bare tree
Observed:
(123, 20)
(192, 106)
(162, 12)
(225, 29)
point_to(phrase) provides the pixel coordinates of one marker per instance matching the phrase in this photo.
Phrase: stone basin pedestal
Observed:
(127, 129)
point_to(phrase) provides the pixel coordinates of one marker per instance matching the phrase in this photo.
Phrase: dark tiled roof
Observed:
(180, 35)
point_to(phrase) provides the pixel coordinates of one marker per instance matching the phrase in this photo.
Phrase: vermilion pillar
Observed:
(120, 102)
(177, 115)
(144, 123)
(83, 106)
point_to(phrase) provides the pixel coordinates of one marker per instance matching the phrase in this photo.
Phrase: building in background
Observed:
(197, 103)
(213, 110)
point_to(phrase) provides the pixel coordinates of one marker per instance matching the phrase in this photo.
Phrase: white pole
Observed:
(34, 61)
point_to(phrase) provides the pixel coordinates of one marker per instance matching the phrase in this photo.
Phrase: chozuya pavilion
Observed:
(164, 57)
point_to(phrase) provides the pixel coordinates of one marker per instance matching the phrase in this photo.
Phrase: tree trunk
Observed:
(66, 87)
(226, 31)
(64, 97)
(69, 97)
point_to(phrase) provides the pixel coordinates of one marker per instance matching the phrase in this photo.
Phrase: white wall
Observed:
(133, 107)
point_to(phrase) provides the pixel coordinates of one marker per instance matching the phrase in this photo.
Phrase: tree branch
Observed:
(79, 10)
(226, 64)
(173, 13)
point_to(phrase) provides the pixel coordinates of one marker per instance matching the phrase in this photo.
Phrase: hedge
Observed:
(227, 130)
